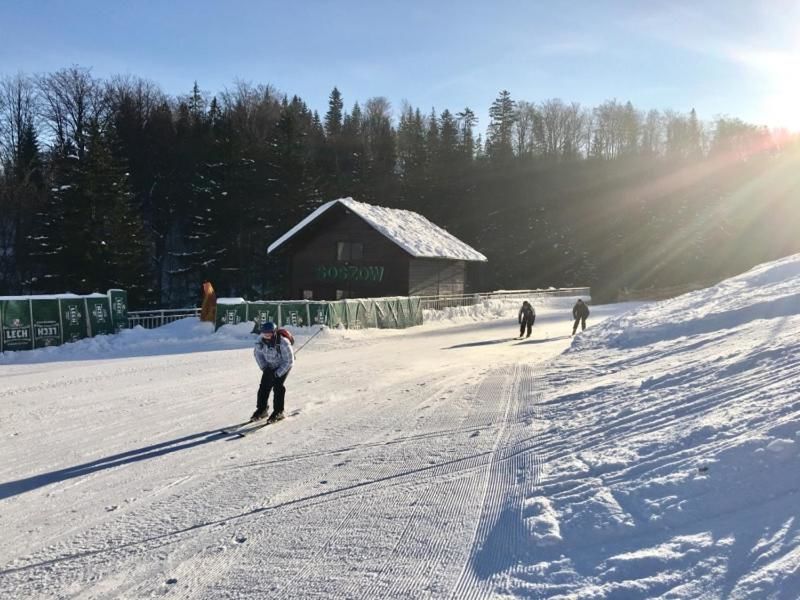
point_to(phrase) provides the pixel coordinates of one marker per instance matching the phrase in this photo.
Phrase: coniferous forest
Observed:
(112, 183)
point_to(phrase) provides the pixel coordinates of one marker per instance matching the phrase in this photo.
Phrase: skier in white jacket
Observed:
(275, 358)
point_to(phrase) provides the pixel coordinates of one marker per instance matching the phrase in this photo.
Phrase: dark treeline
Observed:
(112, 183)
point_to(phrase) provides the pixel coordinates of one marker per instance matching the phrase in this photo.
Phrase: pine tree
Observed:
(380, 146)
(432, 196)
(119, 249)
(154, 178)
(694, 137)
(446, 179)
(498, 139)
(333, 118)
(21, 193)
(467, 121)
(353, 157)
(412, 157)
(448, 127)
(60, 237)
(24, 194)
(631, 129)
(197, 103)
(214, 113)
(432, 141)
(332, 148)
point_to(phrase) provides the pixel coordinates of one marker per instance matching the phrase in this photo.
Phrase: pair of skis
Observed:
(246, 428)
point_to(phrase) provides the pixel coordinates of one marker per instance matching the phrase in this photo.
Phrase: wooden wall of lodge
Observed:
(436, 276)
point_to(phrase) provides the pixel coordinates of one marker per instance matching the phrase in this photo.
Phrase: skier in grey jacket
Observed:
(526, 318)
(580, 312)
(275, 358)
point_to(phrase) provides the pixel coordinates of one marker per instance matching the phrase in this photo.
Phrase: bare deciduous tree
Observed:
(71, 100)
(524, 128)
(18, 108)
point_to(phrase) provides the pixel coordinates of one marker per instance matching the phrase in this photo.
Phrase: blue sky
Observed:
(721, 57)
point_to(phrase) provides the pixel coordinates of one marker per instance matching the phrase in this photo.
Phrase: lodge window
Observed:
(346, 251)
(308, 294)
(342, 294)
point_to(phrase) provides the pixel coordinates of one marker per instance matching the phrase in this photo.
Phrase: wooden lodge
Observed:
(349, 249)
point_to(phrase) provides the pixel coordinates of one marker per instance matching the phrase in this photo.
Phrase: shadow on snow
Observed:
(21, 486)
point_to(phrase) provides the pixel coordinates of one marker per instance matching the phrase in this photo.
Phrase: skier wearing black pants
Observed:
(275, 358)
(579, 312)
(270, 382)
(526, 318)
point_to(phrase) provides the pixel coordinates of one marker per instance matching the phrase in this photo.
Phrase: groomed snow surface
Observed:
(654, 455)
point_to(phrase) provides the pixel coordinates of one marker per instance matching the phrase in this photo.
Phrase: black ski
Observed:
(235, 428)
(259, 425)
(245, 431)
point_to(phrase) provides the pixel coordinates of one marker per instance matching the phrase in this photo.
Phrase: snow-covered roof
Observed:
(409, 230)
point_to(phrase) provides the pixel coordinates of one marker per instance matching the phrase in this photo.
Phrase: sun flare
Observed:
(782, 103)
(781, 108)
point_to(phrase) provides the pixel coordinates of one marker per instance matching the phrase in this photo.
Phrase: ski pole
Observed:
(309, 339)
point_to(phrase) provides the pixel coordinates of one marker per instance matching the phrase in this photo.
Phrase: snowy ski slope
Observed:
(654, 455)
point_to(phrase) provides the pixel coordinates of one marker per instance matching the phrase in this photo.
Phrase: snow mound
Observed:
(672, 451)
(767, 292)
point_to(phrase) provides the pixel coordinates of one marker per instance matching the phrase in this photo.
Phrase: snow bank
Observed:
(671, 451)
(766, 292)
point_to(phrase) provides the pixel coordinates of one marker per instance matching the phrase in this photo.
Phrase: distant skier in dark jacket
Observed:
(275, 358)
(579, 312)
(526, 318)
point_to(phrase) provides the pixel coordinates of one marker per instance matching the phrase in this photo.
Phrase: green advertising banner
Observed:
(319, 313)
(385, 317)
(294, 314)
(99, 315)
(73, 319)
(46, 322)
(367, 313)
(118, 302)
(29, 322)
(336, 314)
(261, 312)
(351, 314)
(415, 311)
(230, 314)
(400, 313)
(360, 314)
(16, 326)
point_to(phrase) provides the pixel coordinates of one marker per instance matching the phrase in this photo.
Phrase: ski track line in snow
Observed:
(439, 574)
(501, 531)
(439, 504)
(455, 507)
(311, 562)
(406, 439)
